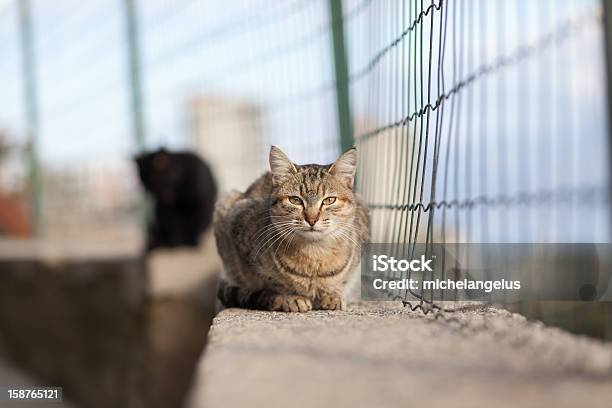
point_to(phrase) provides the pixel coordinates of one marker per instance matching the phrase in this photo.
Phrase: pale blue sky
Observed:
(228, 49)
(189, 47)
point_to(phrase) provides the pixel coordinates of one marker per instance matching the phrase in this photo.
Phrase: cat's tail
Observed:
(236, 296)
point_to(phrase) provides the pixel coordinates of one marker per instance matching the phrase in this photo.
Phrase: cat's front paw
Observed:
(290, 303)
(330, 301)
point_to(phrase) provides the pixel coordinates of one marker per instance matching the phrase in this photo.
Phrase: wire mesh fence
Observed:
(483, 122)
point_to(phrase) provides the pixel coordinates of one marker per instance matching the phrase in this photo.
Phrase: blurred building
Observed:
(228, 134)
(95, 201)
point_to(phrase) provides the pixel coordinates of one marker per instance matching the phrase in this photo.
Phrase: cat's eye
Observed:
(295, 200)
(329, 200)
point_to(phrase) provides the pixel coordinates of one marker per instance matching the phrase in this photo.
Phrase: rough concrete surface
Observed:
(383, 355)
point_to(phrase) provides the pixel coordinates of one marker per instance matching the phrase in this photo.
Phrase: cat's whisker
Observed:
(346, 227)
(280, 238)
(348, 236)
(342, 236)
(267, 234)
(336, 236)
(349, 227)
(269, 227)
(275, 225)
(289, 241)
(260, 246)
(350, 230)
(272, 231)
(285, 238)
(272, 238)
(343, 223)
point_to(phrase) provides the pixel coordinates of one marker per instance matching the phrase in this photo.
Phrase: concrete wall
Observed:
(77, 324)
(380, 354)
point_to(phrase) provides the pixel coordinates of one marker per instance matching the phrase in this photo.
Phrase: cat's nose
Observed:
(312, 220)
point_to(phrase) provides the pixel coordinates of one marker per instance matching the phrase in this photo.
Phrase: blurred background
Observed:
(475, 121)
(103, 80)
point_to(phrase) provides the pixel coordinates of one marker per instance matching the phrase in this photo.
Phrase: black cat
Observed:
(184, 193)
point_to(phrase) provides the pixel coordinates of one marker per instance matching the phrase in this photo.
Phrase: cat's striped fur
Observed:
(292, 240)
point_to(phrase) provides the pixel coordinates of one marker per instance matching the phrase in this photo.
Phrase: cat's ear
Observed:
(344, 167)
(280, 165)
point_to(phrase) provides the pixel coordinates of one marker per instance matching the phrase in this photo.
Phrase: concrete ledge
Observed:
(383, 355)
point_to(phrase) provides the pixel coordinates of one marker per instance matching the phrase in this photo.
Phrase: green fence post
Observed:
(607, 6)
(30, 89)
(136, 101)
(345, 123)
(133, 48)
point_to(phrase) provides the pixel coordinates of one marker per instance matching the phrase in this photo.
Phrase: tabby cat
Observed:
(292, 240)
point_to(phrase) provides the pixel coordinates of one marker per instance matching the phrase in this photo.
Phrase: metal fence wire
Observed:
(482, 122)
(475, 120)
